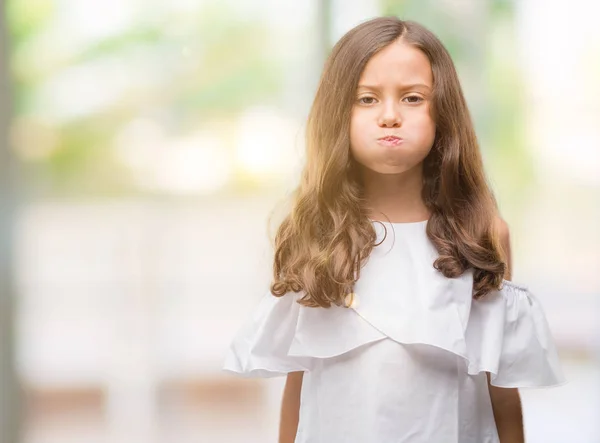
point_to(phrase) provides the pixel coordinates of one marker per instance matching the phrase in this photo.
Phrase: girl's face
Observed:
(391, 128)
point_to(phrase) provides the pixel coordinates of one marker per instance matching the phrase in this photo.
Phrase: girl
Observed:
(391, 309)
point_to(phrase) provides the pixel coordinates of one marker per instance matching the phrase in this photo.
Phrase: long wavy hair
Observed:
(325, 240)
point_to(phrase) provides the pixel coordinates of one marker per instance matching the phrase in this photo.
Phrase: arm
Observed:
(506, 402)
(290, 407)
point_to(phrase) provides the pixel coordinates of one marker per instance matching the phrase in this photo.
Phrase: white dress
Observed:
(407, 362)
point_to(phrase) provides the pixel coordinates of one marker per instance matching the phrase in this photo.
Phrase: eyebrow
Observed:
(412, 86)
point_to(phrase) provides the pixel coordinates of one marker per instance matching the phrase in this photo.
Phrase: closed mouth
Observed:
(389, 138)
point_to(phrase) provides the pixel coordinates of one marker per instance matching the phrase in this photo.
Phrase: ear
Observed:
(504, 239)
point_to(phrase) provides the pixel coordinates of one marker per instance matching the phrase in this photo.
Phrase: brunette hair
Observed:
(327, 237)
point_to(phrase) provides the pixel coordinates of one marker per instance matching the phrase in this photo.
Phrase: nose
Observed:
(390, 116)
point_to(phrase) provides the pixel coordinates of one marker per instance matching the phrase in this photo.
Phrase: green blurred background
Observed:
(145, 145)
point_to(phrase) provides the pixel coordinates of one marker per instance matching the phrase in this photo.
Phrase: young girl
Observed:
(391, 311)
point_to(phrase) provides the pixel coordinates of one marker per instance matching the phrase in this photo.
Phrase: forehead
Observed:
(398, 64)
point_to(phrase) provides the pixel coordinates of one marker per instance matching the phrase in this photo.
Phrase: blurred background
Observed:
(146, 152)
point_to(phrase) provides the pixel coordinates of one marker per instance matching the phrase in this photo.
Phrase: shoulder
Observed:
(503, 234)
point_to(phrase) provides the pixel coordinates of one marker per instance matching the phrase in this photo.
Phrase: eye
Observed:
(366, 100)
(413, 99)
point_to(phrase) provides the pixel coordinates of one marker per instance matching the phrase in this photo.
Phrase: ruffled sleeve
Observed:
(508, 335)
(283, 336)
(260, 348)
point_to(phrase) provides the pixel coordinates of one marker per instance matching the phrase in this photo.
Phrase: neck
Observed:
(395, 197)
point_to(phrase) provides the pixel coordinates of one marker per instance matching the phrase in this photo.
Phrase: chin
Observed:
(388, 169)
